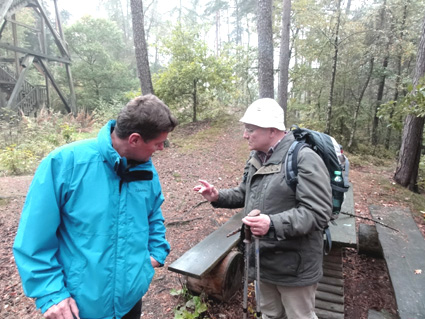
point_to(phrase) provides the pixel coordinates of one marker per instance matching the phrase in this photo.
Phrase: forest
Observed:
(353, 69)
(347, 68)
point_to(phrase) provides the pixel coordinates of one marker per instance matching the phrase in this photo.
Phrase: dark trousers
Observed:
(135, 312)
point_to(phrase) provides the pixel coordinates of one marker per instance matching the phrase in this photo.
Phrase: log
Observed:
(330, 297)
(330, 288)
(324, 314)
(368, 243)
(223, 281)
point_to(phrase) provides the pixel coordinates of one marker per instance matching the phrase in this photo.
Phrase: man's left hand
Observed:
(154, 263)
(259, 225)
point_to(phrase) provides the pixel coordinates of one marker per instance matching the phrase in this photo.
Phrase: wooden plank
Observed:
(343, 232)
(404, 253)
(329, 306)
(332, 281)
(201, 258)
(331, 288)
(324, 314)
(333, 266)
(327, 296)
(333, 273)
(335, 259)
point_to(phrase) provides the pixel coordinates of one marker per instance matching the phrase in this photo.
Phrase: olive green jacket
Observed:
(291, 254)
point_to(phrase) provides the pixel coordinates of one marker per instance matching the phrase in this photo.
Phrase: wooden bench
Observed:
(214, 259)
(404, 253)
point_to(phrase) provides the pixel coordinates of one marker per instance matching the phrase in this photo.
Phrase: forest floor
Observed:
(216, 153)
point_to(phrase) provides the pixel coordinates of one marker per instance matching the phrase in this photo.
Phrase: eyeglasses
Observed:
(250, 130)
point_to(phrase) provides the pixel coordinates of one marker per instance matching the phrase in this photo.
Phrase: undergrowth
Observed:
(190, 306)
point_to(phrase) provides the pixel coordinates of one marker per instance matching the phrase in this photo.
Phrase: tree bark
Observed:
(285, 56)
(140, 46)
(375, 122)
(410, 152)
(265, 49)
(195, 101)
(398, 78)
(334, 65)
(359, 102)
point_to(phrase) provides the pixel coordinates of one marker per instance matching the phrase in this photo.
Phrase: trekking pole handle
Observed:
(247, 230)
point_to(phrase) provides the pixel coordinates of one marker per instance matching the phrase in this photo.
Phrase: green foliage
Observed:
(411, 104)
(191, 307)
(99, 70)
(29, 140)
(421, 175)
(105, 111)
(194, 79)
(17, 160)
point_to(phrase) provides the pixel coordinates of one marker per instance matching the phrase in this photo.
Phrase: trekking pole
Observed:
(257, 282)
(247, 242)
(256, 212)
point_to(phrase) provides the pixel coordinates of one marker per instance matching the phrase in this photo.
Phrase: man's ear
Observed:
(273, 131)
(134, 138)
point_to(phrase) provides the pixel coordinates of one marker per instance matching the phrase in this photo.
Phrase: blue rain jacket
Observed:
(87, 233)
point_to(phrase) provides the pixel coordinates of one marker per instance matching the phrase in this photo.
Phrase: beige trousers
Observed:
(279, 302)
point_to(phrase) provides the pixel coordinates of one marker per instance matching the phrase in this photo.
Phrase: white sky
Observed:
(80, 8)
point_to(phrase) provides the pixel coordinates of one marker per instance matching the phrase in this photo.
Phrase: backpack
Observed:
(335, 161)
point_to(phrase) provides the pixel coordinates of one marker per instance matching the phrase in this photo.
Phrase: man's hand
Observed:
(259, 225)
(154, 263)
(66, 309)
(207, 190)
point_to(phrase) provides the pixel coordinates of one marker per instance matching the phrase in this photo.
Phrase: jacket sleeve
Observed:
(159, 248)
(36, 242)
(313, 197)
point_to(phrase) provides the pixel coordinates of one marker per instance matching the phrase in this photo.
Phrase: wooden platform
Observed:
(207, 254)
(404, 253)
(217, 245)
(343, 232)
(330, 292)
(204, 256)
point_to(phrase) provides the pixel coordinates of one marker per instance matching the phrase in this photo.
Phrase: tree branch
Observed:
(371, 219)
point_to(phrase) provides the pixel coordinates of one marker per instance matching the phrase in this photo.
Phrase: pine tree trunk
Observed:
(410, 151)
(140, 46)
(334, 65)
(359, 102)
(265, 49)
(285, 56)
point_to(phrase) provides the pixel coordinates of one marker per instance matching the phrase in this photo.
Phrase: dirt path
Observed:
(218, 158)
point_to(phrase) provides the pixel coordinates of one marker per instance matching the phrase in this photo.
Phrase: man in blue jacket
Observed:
(91, 230)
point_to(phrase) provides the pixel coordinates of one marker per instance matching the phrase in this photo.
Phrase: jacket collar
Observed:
(111, 156)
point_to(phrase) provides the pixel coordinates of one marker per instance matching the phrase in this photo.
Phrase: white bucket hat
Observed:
(265, 113)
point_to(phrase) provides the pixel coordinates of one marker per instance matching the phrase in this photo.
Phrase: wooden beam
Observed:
(15, 43)
(61, 45)
(71, 90)
(4, 7)
(11, 104)
(7, 46)
(22, 24)
(52, 80)
(3, 25)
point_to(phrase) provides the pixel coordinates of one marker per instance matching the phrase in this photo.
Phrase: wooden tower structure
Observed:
(16, 93)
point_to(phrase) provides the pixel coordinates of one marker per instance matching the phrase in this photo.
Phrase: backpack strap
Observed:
(291, 164)
(327, 245)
